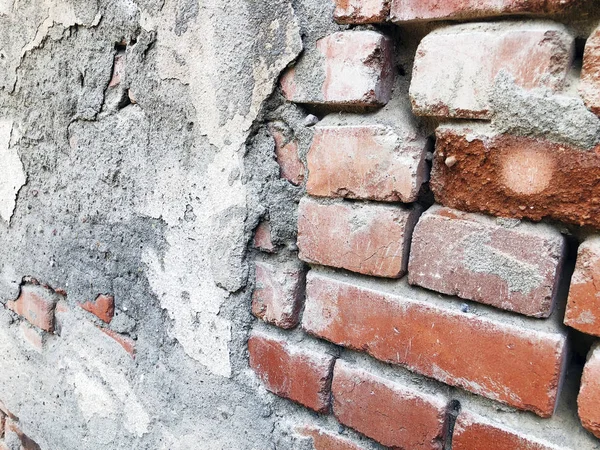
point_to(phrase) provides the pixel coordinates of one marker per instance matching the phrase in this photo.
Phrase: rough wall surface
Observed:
(153, 156)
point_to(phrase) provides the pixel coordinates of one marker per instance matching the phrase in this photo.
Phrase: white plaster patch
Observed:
(12, 173)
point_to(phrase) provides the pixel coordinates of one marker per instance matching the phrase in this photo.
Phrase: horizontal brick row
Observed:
(366, 238)
(510, 363)
(510, 266)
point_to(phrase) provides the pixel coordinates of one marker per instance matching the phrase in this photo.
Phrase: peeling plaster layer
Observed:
(12, 175)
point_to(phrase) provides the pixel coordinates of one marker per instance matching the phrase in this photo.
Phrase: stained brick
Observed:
(583, 307)
(511, 266)
(36, 304)
(589, 395)
(33, 336)
(393, 414)
(373, 161)
(291, 166)
(279, 293)
(288, 370)
(364, 238)
(323, 440)
(103, 307)
(507, 362)
(361, 11)
(535, 54)
(262, 238)
(424, 10)
(513, 176)
(347, 69)
(590, 73)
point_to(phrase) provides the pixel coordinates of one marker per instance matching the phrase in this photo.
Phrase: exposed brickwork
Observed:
(363, 238)
(36, 304)
(262, 238)
(472, 431)
(369, 162)
(590, 73)
(423, 10)
(534, 54)
(102, 307)
(351, 69)
(279, 294)
(513, 267)
(361, 11)
(323, 440)
(512, 176)
(392, 414)
(123, 340)
(589, 396)
(511, 364)
(583, 307)
(301, 375)
(286, 151)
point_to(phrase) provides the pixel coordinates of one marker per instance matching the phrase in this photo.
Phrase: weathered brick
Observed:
(123, 340)
(291, 166)
(511, 266)
(513, 176)
(33, 336)
(372, 160)
(36, 303)
(503, 361)
(323, 440)
(394, 415)
(290, 371)
(583, 307)
(347, 69)
(589, 87)
(361, 11)
(279, 293)
(103, 307)
(589, 394)
(118, 70)
(364, 238)
(262, 238)
(535, 54)
(424, 10)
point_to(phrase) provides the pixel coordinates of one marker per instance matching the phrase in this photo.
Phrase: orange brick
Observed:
(393, 414)
(514, 176)
(290, 371)
(323, 440)
(508, 362)
(361, 11)
(589, 394)
(123, 340)
(36, 304)
(103, 307)
(583, 307)
(535, 54)
(364, 238)
(279, 293)
(512, 266)
(348, 69)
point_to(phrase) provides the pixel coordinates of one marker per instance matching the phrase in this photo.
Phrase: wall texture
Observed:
(385, 213)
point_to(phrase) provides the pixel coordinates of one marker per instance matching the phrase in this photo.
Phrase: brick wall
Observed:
(441, 296)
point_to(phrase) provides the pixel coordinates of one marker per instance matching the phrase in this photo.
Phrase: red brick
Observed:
(534, 54)
(36, 304)
(590, 73)
(472, 431)
(366, 162)
(323, 440)
(123, 340)
(118, 70)
(291, 166)
(262, 238)
(279, 293)
(103, 307)
(291, 371)
(583, 307)
(33, 336)
(392, 414)
(364, 238)
(513, 176)
(361, 11)
(513, 267)
(347, 69)
(485, 355)
(423, 10)
(589, 395)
